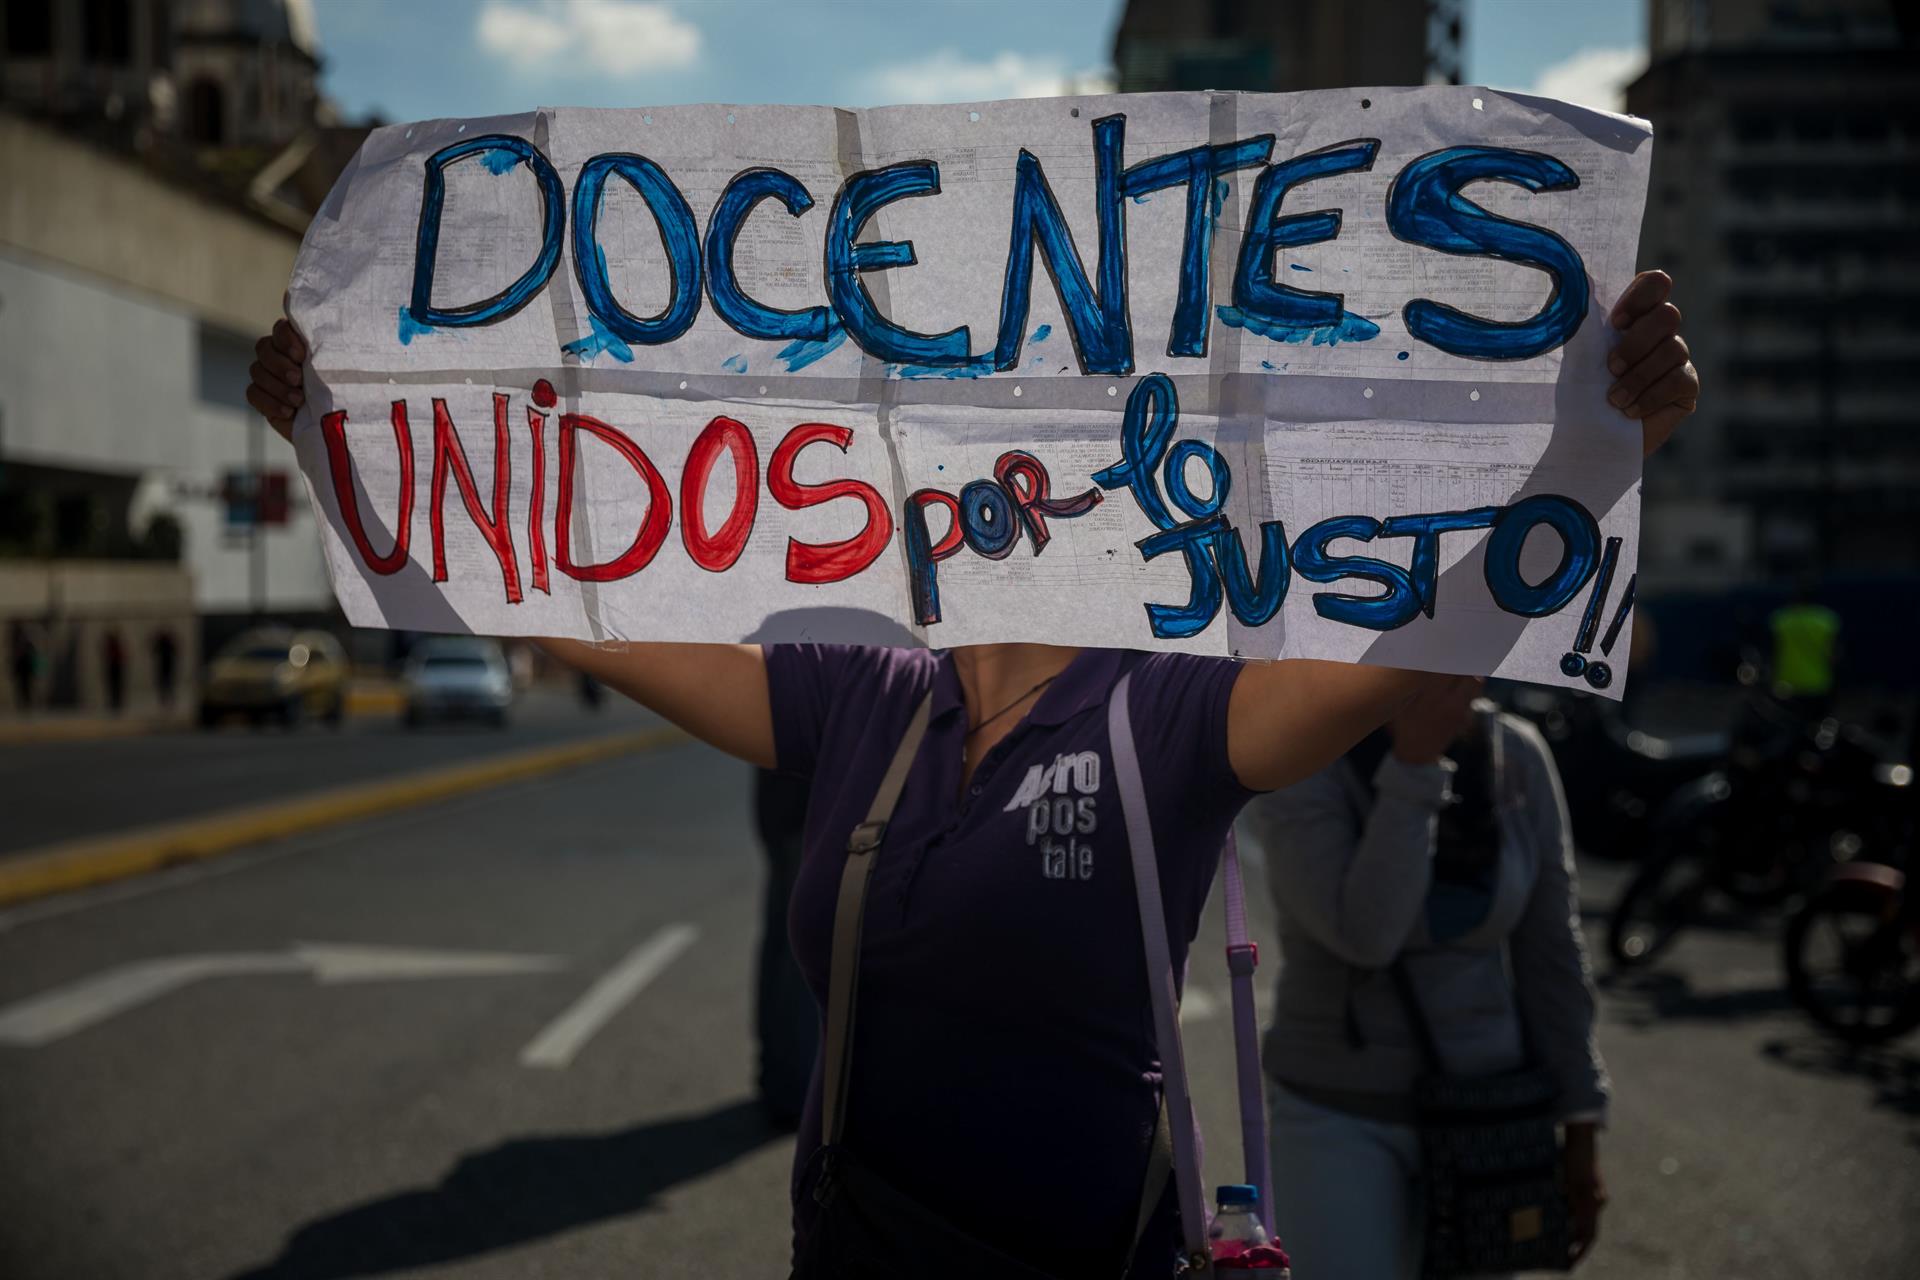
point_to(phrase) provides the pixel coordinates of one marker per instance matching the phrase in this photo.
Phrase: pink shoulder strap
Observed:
(1242, 957)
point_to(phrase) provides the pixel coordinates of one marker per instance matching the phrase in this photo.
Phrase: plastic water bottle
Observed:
(1238, 1241)
(1236, 1223)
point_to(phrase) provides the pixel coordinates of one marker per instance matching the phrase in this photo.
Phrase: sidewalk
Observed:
(366, 696)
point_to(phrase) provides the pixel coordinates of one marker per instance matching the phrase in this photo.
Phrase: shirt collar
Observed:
(1083, 683)
(947, 697)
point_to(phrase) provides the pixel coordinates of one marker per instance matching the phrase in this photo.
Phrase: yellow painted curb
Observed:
(372, 698)
(79, 863)
(15, 733)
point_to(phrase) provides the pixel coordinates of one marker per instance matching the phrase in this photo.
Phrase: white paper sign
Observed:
(1288, 375)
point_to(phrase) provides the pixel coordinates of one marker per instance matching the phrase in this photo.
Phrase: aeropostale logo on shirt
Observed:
(1061, 808)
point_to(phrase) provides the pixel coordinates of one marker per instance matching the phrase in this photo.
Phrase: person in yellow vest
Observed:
(1806, 648)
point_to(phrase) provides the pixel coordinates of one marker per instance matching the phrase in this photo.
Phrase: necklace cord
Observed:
(1011, 705)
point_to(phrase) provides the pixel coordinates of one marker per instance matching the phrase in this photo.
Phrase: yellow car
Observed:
(277, 673)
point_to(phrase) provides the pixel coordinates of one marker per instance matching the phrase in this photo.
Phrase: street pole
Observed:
(257, 533)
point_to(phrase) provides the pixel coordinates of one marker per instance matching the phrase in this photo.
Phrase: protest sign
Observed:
(1282, 375)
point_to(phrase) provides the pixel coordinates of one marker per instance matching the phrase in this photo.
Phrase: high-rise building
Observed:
(1785, 198)
(1284, 45)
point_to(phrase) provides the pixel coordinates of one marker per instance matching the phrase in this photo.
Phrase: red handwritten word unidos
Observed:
(714, 549)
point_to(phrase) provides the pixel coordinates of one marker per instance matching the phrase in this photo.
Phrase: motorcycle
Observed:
(1762, 830)
(1852, 952)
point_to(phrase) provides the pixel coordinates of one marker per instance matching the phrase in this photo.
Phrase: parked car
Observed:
(456, 677)
(277, 673)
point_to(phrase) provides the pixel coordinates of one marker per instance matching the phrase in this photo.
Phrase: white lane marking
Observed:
(567, 1034)
(53, 1015)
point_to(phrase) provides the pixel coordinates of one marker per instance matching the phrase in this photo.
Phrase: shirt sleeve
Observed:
(1179, 708)
(1553, 979)
(1180, 714)
(802, 683)
(1355, 882)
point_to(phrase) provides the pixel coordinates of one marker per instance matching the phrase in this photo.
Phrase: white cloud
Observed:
(513, 32)
(619, 37)
(1595, 77)
(948, 76)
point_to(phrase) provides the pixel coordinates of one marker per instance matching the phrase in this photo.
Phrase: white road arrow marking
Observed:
(331, 962)
(59, 1013)
(53, 1015)
(567, 1034)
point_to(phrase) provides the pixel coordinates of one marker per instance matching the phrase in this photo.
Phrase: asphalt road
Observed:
(303, 1108)
(65, 790)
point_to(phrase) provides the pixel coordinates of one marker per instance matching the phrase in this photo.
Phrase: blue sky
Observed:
(426, 58)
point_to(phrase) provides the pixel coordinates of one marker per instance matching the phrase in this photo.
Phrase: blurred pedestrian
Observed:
(113, 657)
(166, 661)
(1806, 650)
(993, 1109)
(23, 658)
(786, 1017)
(1425, 878)
(520, 664)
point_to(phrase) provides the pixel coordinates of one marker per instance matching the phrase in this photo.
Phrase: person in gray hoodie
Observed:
(1397, 850)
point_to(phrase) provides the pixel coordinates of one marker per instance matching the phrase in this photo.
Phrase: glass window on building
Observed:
(162, 35)
(1813, 126)
(29, 32)
(107, 32)
(206, 113)
(1867, 126)
(224, 361)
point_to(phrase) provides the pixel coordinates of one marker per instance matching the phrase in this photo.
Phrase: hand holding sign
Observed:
(1658, 384)
(279, 375)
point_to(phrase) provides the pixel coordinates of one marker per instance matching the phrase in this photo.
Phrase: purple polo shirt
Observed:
(1004, 1070)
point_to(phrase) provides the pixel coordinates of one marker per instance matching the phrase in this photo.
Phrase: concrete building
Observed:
(1784, 198)
(139, 495)
(1265, 45)
(128, 306)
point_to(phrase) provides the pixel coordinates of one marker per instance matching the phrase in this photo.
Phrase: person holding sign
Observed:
(1005, 1081)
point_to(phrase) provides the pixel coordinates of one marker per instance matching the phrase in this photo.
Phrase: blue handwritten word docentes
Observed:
(1424, 206)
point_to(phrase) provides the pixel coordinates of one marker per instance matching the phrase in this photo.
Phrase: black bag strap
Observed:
(849, 909)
